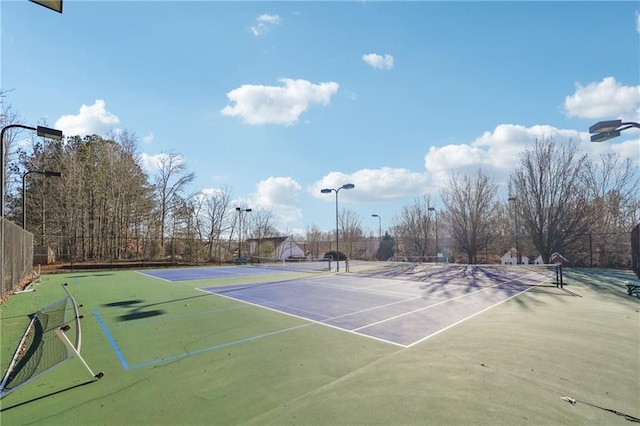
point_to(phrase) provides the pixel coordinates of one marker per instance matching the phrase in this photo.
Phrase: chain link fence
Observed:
(612, 250)
(17, 255)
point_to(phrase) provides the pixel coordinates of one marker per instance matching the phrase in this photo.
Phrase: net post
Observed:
(60, 333)
(558, 269)
(561, 276)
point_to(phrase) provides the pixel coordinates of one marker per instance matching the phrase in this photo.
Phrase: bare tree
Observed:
(351, 229)
(9, 116)
(313, 238)
(614, 185)
(469, 211)
(551, 196)
(217, 216)
(413, 227)
(262, 223)
(172, 180)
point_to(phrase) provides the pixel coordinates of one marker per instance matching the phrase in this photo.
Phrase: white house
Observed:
(511, 258)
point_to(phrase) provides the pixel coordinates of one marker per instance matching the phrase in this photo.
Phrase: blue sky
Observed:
(276, 100)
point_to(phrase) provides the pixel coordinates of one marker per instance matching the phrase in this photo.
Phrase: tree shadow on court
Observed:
(140, 310)
(500, 284)
(608, 283)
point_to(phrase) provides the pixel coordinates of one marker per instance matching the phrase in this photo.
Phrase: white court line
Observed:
(439, 303)
(309, 320)
(374, 308)
(356, 332)
(153, 276)
(471, 316)
(365, 290)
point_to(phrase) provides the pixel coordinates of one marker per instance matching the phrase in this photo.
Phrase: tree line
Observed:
(104, 206)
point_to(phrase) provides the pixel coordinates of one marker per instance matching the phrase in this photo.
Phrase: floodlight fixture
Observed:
(42, 131)
(605, 130)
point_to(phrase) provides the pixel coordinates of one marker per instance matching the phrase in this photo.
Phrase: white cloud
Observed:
(152, 163)
(386, 183)
(605, 99)
(280, 194)
(148, 138)
(271, 19)
(92, 119)
(379, 61)
(258, 104)
(264, 24)
(638, 22)
(496, 152)
(626, 149)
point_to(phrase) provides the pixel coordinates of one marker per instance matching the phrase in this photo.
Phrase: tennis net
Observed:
(463, 274)
(306, 264)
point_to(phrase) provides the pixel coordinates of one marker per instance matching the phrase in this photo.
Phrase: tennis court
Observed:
(402, 304)
(389, 345)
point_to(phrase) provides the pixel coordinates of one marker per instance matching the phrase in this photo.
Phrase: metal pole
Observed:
(436, 235)
(516, 224)
(239, 233)
(328, 191)
(379, 238)
(515, 220)
(337, 238)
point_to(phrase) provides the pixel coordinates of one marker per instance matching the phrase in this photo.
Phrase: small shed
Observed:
(553, 260)
(283, 247)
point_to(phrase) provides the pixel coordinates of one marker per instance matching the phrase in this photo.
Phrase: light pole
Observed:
(379, 235)
(515, 220)
(336, 190)
(605, 130)
(432, 209)
(240, 210)
(47, 173)
(44, 132)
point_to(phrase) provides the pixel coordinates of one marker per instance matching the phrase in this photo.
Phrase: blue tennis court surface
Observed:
(205, 273)
(399, 311)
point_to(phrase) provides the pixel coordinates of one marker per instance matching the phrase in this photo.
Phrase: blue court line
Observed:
(114, 345)
(224, 345)
(126, 366)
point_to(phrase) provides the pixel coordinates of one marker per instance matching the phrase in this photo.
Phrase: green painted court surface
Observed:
(192, 358)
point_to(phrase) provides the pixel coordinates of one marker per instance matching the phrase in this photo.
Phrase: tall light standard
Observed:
(432, 209)
(240, 210)
(46, 173)
(44, 132)
(379, 235)
(328, 191)
(515, 220)
(605, 130)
